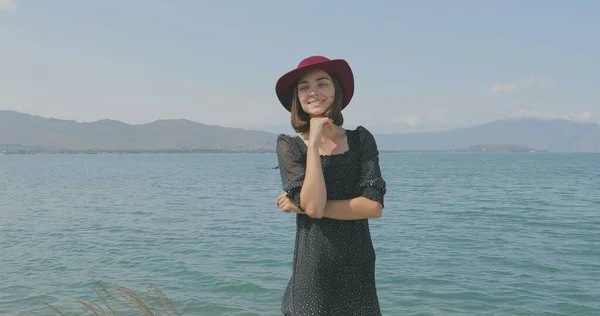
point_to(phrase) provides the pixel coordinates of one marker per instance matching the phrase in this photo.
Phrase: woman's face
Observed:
(316, 92)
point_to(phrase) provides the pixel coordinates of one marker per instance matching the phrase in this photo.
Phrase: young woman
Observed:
(332, 181)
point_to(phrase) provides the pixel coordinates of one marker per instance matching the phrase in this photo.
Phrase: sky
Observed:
(418, 65)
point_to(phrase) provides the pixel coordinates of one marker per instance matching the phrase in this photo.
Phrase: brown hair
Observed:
(301, 120)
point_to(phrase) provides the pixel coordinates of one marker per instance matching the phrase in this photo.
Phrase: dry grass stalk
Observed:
(115, 299)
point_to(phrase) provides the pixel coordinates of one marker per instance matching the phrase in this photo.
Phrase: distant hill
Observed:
(24, 132)
(35, 131)
(547, 135)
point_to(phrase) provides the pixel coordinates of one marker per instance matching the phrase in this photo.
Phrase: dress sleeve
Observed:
(370, 184)
(291, 166)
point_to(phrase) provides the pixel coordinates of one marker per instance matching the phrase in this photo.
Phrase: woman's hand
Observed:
(284, 203)
(317, 128)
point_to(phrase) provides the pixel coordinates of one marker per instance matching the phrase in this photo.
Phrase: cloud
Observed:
(7, 5)
(430, 119)
(583, 117)
(410, 120)
(417, 122)
(526, 83)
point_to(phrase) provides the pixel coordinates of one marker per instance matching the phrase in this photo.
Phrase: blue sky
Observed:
(419, 65)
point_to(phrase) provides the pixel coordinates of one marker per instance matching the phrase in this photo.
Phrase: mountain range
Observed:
(34, 131)
(556, 135)
(20, 129)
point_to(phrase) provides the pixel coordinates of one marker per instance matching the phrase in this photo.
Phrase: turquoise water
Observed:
(478, 234)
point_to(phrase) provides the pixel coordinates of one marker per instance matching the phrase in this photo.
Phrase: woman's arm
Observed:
(313, 195)
(352, 209)
(302, 177)
(314, 191)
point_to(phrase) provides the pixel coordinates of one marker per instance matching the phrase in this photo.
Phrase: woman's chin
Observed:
(317, 113)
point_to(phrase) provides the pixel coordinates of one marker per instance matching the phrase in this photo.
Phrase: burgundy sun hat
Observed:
(338, 68)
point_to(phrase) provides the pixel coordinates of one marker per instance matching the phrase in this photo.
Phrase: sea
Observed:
(461, 233)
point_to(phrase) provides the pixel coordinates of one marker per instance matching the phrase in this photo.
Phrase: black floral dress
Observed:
(334, 260)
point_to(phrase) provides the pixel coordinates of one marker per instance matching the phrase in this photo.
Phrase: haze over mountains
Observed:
(34, 131)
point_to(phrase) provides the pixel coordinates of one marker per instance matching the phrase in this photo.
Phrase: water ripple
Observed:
(480, 234)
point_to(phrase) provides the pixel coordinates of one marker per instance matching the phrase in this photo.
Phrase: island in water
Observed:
(497, 148)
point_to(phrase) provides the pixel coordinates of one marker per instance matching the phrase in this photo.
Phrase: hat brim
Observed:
(339, 68)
